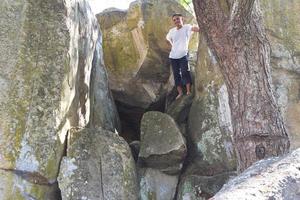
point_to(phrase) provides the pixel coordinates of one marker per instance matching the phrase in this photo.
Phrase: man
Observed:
(179, 37)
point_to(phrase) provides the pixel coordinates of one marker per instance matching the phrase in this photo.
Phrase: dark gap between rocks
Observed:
(59, 195)
(131, 116)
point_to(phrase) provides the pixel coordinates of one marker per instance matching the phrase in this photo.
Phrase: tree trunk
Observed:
(235, 34)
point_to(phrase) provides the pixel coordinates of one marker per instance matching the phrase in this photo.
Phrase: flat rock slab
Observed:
(274, 178)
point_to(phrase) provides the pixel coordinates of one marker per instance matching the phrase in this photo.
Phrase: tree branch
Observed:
(187, 3)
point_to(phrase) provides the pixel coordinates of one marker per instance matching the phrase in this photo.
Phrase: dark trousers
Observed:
(180, 71)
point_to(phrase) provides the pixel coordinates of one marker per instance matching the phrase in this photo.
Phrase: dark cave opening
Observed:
(131, 116)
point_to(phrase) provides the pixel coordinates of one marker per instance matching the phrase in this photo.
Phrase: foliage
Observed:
(187, 4)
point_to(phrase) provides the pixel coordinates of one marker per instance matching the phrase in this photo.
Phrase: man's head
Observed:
(178, 20)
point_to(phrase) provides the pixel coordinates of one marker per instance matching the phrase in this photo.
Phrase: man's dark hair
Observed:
(177, 15)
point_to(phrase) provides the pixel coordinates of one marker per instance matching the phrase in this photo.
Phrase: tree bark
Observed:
(238, 40)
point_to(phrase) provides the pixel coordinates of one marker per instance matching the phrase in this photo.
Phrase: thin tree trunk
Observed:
(236, 35)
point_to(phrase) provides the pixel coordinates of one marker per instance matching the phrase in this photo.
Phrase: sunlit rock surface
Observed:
(273, 178)
(47, 57)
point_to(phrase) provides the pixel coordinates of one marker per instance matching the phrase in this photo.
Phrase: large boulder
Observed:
(98, 165)
(273, 178)
(47, 56)
(136, 52)
(162, 144)
(35, 101)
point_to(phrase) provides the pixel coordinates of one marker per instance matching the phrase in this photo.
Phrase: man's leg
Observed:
(176, 73)
(188, 89)
(179, 90)
(186, 76)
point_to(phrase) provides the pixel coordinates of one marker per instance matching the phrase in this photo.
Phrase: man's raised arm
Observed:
(195, 28)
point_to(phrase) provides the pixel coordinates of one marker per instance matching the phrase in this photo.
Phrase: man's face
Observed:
(178, 21)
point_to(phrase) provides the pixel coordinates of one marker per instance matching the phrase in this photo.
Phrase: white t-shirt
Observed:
(180, 40)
